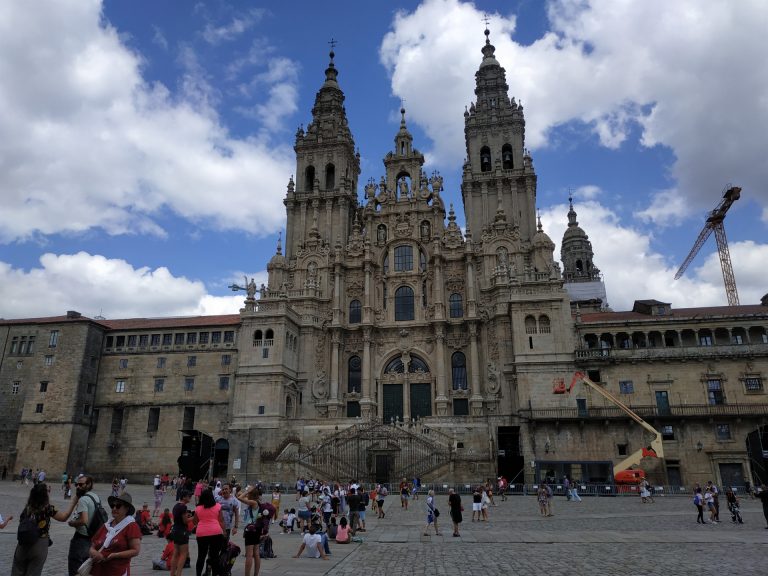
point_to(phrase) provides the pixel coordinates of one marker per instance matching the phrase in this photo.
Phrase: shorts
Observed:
(251, 538)
(179, 537)
(477, 506)
(361, 515)
(380, 503)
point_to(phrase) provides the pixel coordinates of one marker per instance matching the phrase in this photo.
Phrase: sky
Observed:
(147, 145)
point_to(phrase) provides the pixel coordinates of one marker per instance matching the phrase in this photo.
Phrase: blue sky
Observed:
(148, 144)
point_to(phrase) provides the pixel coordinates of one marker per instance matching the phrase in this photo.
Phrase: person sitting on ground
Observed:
(342, 533)
(313, 544)
(144, 519)
(333, 528)
(164, 563)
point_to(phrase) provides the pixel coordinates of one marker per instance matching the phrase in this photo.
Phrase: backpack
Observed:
(100, 517)
(364, 500)
(28, 532)
(265, 548)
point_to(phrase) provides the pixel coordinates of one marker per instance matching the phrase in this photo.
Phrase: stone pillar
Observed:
(334, 404)
(476, 400)
(366, 403)
(441, 402)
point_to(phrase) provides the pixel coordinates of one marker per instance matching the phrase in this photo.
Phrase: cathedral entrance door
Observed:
(393, 402)
(421, 400)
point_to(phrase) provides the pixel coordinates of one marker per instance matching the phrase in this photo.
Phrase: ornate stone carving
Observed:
(320, 386)
(355, 288)
(403, 226)
(494, 378)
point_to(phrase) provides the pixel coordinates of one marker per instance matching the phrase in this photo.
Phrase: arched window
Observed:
(544, 325)
(355, 315)
(456, 307)
(354, 374)
(288, 407)
(579, 266)
(485, 159)
(403, 258)
(309, 178)
(417, 365)
(330, 177)
(257, 337)
(269, 335)
(404, 303)
(395, 366)
(506, 157)
(459, 371)
(530, 325)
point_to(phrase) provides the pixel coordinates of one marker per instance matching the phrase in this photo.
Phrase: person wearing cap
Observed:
(117, 541)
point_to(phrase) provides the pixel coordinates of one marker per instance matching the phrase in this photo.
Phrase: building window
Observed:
(530, 325)
(23, 345)
(354, 375)
(39, 409)
(53, 339)
(215, 337)
(14, 345)
(404, 309)
(19, 364)
(120, 341)
(622, 448)
(753, 384)
(143, 340)
(667, 433)
(229, 336)
(49, 360)
(203, 337)
(120, 386)
(353, 409)
(355, 312)
(223, 382)
(594, 375)
(226, 359)
(15, 385)
(132, 340)
(153, 421)
(188, 423)
(261, 410)
(545, 326)
(626, 387)
(43, 386)
(403, 258)
(31, 345)
(456, 306)
(723, 431)
(161, 362)
(395, 366)
(485, 159)
(737, 339)
(155, 340)
(705, 340)
(86, 409)
(117, 421)
(189, 384)
(460, 407)
(178, 339)
(167, 339)
(123, 363)
(459, 371)
(506, 157)
(159, 384)
(94, 421)
(715, 394)
(191, 337)
(42, 445)
(265, 352)
(191, 361)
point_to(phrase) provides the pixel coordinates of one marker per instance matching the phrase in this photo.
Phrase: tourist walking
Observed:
(209, 522)
(698, 501)
(541, 498)
(32, 548)
(432, 513)
(117, 541)
(381, 494)
(454, 504)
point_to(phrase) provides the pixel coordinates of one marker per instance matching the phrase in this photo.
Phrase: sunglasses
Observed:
(81, 485)
(116, 505)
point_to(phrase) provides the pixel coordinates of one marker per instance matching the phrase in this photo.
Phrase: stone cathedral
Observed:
(388, 343)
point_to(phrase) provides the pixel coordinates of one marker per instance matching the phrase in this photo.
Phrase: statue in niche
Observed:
(312, 274)
(381, 233)
(502, 258)
(494, 378)
(320, 385)
(425, 231)
(403, 188)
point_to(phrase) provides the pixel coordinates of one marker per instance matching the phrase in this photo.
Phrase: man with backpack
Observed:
(89, 516)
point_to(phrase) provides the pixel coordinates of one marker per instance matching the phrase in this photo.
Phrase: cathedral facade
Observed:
(389, 343)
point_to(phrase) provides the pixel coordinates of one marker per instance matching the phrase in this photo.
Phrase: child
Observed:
(165, 558)
(284, 522)
(542, 499)
(292, 519)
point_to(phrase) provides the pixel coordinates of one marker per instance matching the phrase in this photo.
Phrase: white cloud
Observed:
(690, 75)
(93, 284)
(634, 270)
(87, 142)
(667, 207)
(234, 29)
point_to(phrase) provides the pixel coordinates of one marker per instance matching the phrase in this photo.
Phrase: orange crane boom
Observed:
(714, 223)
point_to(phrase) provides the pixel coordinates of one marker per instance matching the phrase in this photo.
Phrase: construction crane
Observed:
(715, 222)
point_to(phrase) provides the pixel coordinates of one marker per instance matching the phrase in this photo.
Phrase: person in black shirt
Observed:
(454, 502)
(180, 533)
(353, 501)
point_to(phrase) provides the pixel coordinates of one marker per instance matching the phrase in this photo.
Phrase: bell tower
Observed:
(321, 201)
(498, 178)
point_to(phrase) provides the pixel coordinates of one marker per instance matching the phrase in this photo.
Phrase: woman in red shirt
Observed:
(116, 542)
(210, 532)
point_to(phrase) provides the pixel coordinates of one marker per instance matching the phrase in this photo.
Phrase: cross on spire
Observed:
(333, 43)
(486, 20)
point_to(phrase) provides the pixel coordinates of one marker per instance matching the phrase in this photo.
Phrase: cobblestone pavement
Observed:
(600, 536)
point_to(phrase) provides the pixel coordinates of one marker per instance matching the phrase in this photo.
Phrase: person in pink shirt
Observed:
(210, 532)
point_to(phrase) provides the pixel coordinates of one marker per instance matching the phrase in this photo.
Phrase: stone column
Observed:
(334, 404)
(441, 402)
(366, 403)
(476, 400)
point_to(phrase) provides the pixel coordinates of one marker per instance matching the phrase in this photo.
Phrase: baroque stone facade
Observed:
(388, 343)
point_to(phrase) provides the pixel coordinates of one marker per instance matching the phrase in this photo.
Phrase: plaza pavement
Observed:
(599, 536)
